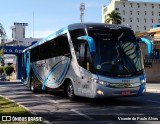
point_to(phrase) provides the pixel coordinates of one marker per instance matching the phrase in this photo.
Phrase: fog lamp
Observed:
(100, 92)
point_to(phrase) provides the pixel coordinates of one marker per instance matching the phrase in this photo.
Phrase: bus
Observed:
(93, 60)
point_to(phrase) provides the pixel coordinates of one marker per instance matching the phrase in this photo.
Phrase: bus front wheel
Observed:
(70, 91)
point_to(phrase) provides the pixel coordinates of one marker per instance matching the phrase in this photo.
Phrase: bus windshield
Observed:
(117, 53)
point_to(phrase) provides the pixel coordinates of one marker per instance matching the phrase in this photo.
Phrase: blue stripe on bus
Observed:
(49, 74)
(27, 65)
(140, 92)
(62, 75)
(36, 73)
(90, 41)
(51, 35)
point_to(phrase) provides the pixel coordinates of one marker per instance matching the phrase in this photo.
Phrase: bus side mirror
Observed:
(81, 41)
(90, 41)
(148, 42)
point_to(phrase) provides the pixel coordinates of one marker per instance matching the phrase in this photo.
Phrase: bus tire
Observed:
(33, 87)
(69, 90)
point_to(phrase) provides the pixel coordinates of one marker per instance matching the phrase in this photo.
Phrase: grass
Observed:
(9, 108)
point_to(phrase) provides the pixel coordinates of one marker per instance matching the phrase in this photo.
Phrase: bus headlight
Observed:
(101, 82)
(143, 81)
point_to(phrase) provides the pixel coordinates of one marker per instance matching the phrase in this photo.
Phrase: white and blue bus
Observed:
(93, 60)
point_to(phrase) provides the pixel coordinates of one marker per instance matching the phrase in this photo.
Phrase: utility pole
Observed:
(82, 8)
(33, 24)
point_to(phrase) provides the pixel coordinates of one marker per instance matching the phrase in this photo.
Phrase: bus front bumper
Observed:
(103, 92)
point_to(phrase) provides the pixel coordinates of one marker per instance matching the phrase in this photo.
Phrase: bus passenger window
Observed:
(63, 45)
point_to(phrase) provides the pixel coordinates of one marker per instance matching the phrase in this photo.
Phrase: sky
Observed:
(49, 15)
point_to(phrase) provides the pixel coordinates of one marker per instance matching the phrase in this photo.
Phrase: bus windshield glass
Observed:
(117, 53)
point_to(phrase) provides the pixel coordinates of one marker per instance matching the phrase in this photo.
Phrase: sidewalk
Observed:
(11, 81)
(153, 87)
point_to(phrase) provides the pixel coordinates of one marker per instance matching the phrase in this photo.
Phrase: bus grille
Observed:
(123, 85)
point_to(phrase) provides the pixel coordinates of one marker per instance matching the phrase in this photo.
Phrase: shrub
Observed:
(8, 70)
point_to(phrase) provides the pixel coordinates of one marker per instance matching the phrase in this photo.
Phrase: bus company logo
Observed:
(113, 26)
(6, 118)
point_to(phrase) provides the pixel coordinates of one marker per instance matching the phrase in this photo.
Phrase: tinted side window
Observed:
(41, 51)
(81, 49)
(55, 47)
(62, 45)
(50, 49)
(34, 54)
(74, 35)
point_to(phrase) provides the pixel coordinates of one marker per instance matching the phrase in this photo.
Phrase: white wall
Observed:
(144, 6)
(27, 41)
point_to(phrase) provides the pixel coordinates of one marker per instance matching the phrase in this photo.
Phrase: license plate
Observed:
(126, 92)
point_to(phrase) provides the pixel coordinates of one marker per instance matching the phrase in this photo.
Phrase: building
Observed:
(18, 36)
(140, 16)
(18, 39)
(153, 73)
(154, 35)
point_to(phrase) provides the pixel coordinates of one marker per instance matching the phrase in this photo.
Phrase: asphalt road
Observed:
(55, 108)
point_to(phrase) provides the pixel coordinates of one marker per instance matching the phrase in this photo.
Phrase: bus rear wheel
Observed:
(33, 87)
(70, 91)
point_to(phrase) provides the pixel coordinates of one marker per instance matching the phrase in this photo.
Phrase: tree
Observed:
(1, 52)
(113, 17)
(1, 70)
(8, 70)
(1, 56)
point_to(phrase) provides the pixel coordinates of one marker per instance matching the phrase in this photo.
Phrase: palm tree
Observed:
(113, 17)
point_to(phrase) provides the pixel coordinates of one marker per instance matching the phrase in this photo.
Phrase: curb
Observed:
(33, 113)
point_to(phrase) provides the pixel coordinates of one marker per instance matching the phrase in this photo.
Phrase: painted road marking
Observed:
(81, 114)
(4, 87)
(54, 101)
(75, 111)
(153, 101)
(37, 95)
(71, 105)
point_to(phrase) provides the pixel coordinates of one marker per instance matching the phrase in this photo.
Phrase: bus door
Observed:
(84, 61)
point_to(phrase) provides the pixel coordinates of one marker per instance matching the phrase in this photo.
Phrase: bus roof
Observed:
(96, 26)
(78, 26)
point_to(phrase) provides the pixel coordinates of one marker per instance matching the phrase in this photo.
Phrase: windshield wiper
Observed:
(126, 61)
